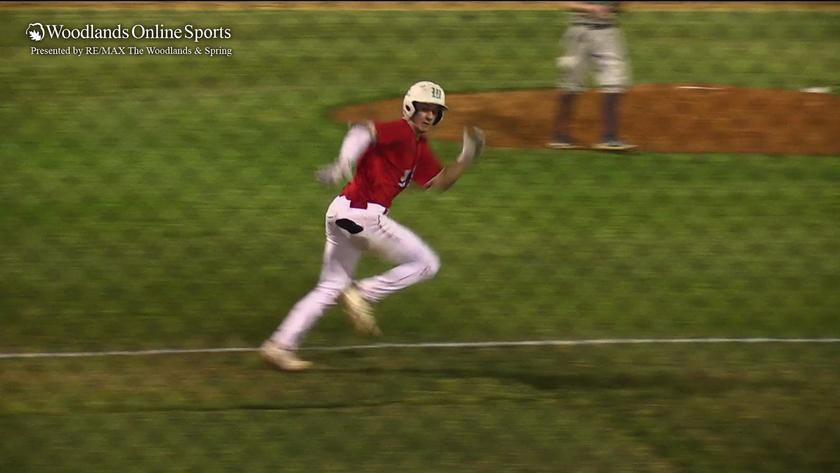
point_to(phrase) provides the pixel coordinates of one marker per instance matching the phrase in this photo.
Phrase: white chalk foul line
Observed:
(383, 346)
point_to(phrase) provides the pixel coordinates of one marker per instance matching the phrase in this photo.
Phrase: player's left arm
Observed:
(474, 141)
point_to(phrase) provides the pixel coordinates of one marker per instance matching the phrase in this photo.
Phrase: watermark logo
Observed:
(39, 32)
(91, 33)
(35, 31)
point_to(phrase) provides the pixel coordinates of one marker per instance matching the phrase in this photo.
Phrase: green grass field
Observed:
(169, 202)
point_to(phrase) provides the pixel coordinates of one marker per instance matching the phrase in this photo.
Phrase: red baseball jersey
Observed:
(396, 159)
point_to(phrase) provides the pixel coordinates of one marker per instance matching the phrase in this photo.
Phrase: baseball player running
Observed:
(593, 40)
(387, 157)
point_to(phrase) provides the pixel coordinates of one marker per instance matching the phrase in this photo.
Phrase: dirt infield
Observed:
(658, 118)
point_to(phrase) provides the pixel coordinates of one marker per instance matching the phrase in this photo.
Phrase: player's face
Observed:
(425, 115)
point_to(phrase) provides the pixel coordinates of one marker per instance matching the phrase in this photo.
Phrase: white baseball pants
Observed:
(349, 233)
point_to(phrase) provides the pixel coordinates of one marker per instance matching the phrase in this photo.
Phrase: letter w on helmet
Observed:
(424, 92)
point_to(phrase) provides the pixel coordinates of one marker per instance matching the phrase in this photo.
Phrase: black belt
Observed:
(594, 26)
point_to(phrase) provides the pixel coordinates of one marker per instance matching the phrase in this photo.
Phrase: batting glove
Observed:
(474, 141)
(331, 175)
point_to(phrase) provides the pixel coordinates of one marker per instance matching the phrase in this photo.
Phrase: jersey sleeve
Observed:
(390, 132)
(428, 166)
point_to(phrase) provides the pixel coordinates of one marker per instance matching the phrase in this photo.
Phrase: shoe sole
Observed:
(617, 149)
(283, 367)
(563, 146)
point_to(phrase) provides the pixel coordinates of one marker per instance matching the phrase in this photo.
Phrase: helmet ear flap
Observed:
(408, 109)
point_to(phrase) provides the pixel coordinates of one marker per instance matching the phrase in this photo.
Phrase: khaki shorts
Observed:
(601, 51)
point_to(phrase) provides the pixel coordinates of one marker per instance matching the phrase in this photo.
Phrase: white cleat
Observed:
(282, 358)
(360, 312)
(614, 145)
(559, 144)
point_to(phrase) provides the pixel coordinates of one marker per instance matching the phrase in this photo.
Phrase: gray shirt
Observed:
(582, 18)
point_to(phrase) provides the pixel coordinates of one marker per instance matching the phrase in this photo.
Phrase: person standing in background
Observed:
(594, 40)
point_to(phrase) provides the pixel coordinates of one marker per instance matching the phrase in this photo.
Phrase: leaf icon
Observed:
(34, 35)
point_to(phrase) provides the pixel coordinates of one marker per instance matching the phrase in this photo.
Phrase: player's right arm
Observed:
(357, 140)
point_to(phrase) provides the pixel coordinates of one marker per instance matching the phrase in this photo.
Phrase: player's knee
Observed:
(331, 288)
(570, 87)
(617, 83)
(431, 266)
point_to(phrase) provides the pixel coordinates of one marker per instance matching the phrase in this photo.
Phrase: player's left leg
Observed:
(417, 262)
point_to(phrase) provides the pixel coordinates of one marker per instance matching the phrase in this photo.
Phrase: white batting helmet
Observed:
(424, 92)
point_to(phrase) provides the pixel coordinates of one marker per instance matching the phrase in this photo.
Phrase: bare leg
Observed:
(611, 122)
(564, 112)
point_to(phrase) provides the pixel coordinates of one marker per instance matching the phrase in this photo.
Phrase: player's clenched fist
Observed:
(473, 144)
(332, 175)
